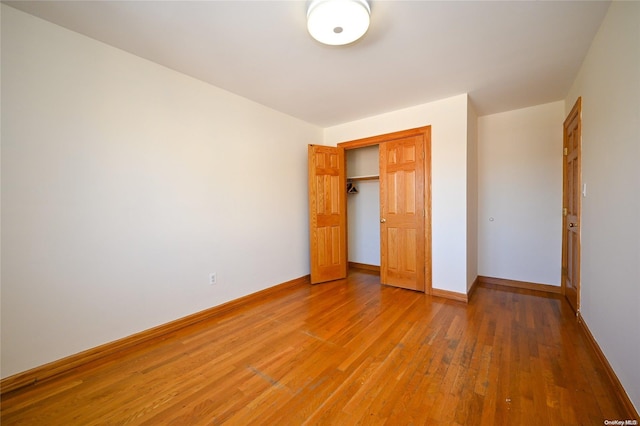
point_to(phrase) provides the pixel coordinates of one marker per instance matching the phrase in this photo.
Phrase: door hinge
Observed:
(564, 211)
(566, 151)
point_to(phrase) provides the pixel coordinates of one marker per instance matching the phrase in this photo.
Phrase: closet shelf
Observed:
(359, 178)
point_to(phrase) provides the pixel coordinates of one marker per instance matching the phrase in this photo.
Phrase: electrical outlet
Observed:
(212, 278)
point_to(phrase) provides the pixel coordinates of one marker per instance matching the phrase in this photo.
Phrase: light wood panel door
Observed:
(327, 213)
(572, 206)
(402, 210)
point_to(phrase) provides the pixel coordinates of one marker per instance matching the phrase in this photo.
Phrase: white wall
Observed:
(609, 85)
(472, 195)
(448, 118)
(124, 184)
(363, 211)
(520, 187)
(363, 208)
(363, 161)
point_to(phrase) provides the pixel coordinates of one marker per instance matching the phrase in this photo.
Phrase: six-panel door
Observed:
(402, 234)
(327, 213)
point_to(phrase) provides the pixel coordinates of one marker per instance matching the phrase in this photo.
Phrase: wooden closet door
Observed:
(572, 195)
(327, 213)
(402, 209)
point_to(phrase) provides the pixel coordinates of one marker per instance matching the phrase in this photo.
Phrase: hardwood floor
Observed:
(341, 353)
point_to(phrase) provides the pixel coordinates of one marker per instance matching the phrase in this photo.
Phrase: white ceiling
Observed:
(505, 54)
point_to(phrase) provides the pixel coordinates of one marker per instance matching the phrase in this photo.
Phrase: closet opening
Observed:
(363, 208)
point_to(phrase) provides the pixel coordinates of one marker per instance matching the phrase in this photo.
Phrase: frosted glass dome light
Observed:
(338, 22)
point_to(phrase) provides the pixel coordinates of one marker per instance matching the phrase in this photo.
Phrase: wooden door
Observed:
(572, 206)
(402, 211)
(327, 213)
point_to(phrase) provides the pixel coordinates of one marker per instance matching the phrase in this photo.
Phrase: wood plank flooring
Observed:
(343, 353)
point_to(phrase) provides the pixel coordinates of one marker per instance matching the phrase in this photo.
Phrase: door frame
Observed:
(426, 133)
(576, 113)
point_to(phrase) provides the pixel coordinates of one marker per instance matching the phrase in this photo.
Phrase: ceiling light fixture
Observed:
(338, 22)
